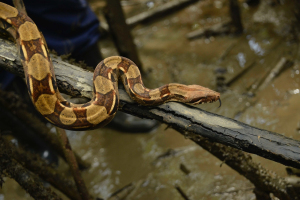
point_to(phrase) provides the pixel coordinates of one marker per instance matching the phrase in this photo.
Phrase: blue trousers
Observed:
(69, 26)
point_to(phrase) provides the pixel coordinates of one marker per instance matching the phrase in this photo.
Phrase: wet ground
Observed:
(119, 159)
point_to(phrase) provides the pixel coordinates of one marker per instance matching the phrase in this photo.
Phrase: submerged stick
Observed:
(265, 181)
(11, 168)
(213, 30)
(283, 62)
(83, 192)
(39, 166)
(166, 8)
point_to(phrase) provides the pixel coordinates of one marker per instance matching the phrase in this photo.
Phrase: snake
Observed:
(44, 93)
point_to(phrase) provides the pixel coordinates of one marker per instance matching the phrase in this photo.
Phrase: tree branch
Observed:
(13, 169)
(194, 121)
(64, 141)
(39, 166)
(265, 181)
(12, 103)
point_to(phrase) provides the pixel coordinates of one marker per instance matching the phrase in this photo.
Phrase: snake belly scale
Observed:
(42, 87)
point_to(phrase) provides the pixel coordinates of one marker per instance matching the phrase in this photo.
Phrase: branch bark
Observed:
(39, 166)
(11, 168)
(12, 103)
(64, 141)
(193, 121)
(265, 181)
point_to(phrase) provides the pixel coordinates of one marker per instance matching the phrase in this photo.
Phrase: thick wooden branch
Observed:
(193, 121)
(265, 181)
(223, 130)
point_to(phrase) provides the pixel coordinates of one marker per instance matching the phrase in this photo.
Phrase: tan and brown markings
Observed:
(101, 109)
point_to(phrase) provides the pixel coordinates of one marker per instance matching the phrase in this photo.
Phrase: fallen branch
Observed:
(265, 181)
(13, 103)
(40, 167)
(192, 120)
(213, 30)
(239, 74)
(233, 25)
(81, 187)
(11, 168)
(154, 13)
(283, 62)
(181, 192)
(252, 63)
(122, 193)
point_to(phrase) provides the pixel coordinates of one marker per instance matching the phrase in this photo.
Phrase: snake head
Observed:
(197, 94)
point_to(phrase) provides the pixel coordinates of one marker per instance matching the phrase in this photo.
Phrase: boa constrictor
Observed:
(42, 87)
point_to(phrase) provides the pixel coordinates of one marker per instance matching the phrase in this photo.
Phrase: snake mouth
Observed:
(204, 100)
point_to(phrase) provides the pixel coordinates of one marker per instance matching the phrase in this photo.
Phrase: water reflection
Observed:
(241, 59)
(254, 46)
(150, 4)
(296, 91)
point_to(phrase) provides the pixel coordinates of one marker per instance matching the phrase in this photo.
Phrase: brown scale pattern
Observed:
(33, 47)
(9, 28)
(40, 87)
(103, 70)
(132, 81)
(19, 20)
(164, 91)
(114, 77)
(151, 102)
(125, 64)
(107, 101)
(81, 117)
(54, 117)
(66, 103)
(4, 25)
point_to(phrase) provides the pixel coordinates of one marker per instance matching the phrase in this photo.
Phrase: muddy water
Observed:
(119, 159)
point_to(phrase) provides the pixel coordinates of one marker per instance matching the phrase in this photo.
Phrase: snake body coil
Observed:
(42, 87)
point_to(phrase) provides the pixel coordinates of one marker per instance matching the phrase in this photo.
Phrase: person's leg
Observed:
(92, 56)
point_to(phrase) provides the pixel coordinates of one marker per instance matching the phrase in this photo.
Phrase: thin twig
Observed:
(181, 192)
(282, 63)
(122, 193)
(61, 133)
